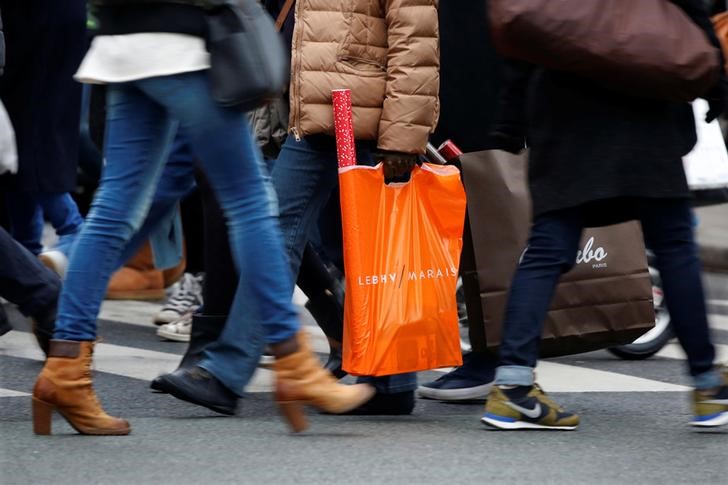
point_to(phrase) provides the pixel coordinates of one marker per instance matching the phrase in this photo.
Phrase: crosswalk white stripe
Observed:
(137, 363)
(11, 393)
(674, 351)
(147, 364)
(718, 303)
(142, 312)
(120, 360)
(132, 312)
(719, 322)
(555, 377)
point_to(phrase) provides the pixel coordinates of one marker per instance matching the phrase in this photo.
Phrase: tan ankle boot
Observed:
(138, 279)
(65, 385)
(300, 380)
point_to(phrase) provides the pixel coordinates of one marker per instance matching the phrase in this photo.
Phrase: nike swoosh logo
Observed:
(531, 413)
(723, 402)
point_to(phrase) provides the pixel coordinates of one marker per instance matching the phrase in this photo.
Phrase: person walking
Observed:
(34, 288)
(394, 81)
(24, 281)
(152, 54)
(45, 44)
(470, 81)
(598, 157)
(387, 54)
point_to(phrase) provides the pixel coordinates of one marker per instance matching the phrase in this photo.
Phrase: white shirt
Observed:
(122, 58)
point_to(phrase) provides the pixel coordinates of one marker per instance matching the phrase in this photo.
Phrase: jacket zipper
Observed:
(296, 129)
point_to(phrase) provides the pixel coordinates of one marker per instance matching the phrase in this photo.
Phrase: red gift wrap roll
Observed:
(344, 127)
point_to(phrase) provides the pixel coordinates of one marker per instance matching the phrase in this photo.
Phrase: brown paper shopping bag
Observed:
(605, 300)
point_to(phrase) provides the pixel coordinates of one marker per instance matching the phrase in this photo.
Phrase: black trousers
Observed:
(221, 280)
(24, 280)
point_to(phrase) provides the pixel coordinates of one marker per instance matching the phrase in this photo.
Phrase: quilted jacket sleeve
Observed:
(411, 105)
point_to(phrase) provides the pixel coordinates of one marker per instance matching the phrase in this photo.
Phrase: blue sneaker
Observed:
(526, 407)
(711, 406)
(472, 381)
(56, 258)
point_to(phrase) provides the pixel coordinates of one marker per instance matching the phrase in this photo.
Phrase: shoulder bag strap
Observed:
(285, 10)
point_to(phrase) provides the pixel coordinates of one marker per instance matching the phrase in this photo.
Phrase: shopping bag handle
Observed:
(344, 131)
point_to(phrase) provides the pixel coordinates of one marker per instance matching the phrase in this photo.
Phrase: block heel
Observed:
(42, 414)
(294, 414)
(64, 385)
(300, 380)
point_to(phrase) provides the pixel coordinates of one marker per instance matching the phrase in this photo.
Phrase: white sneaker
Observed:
(186, 296)
(179, 330)
(56, 258)
(56, 261)
(266, 359)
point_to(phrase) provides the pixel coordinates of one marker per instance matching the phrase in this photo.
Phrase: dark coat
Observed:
(45, 42)
(588, 143)
(470, 75)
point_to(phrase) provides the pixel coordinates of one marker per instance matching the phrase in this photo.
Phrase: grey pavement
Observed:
(639, 436)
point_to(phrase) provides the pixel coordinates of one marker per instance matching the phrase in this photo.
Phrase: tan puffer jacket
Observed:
(385, 51)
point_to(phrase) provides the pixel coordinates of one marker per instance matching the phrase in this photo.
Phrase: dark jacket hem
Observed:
(134, 19)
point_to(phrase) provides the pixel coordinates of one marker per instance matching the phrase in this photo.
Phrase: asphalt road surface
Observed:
(634, 426)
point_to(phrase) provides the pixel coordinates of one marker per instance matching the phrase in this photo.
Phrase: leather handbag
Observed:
(248, 62)
(605, 300)
(647, 48)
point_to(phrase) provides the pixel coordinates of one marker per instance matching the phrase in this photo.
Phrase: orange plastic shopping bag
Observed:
(402, 246)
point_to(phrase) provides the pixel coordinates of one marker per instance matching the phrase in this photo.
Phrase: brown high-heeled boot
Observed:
(300, 380)
(65, 385)
(138, 279)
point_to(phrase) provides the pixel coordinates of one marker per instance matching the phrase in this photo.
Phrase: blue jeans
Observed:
(27, 212)
(140, 127)
(551, 251)
(304, 176)
(176, 182)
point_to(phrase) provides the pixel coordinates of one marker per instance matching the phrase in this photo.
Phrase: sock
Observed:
(515, 393)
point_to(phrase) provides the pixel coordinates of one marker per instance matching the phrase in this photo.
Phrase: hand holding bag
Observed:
(649, 48)
(248, 62)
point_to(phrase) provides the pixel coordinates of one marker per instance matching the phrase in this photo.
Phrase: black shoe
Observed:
(5, 326)
(473, 380)
(156, 385)
(334, 363)
(44, 323)
(327, 309)
(205, 330)
(197, 386)
(396, 404)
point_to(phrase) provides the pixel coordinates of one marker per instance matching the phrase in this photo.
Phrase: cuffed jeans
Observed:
(304, 176)
(140, 127)
(551, 251)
